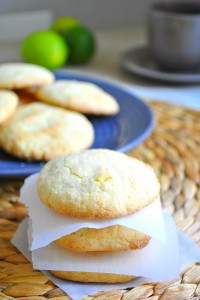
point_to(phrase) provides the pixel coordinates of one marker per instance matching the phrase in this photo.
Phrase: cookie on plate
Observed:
(8, 103)
(92, 276)
(25, 97)
(84, 97)
(41, 132)
(23, 75)
(113, 238)
(110, 184)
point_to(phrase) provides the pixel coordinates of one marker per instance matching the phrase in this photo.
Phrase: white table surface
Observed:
(111, 44)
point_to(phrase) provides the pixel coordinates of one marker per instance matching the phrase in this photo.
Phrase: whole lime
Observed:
(62, 24)
(82, 44)
(45, 48)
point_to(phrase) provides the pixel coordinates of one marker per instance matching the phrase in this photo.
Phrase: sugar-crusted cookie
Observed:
(23, 75)
(112, 238)
(41, 132)
(80, 96)
(92, 277)
(8, 104)
(97, 184)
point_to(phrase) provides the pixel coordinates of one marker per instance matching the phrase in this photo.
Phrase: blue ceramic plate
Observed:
(121, 132)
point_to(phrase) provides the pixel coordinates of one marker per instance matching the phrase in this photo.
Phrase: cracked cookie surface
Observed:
(39, 131)
(113, 238)
(97, 184)
(84, 97)
(23, 75)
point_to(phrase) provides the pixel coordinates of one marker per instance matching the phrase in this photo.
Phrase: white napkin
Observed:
(48, 225)
(182, 95)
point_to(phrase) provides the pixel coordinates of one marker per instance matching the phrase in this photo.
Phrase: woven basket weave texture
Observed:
(173, 149)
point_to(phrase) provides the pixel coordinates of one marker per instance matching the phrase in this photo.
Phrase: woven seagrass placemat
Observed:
(173, 149)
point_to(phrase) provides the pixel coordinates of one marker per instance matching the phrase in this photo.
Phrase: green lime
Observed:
(45, 48)
(81, 42)
(62, 24)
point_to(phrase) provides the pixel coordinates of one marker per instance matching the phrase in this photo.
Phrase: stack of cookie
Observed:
(42, 131)
(98, 185)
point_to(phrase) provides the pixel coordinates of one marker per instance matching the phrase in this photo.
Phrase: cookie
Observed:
(112, 238)
(84, 97)
(97, 184)
(92, 277)
(25, 97)
(41, 132)
(22, 75)
(8, 104)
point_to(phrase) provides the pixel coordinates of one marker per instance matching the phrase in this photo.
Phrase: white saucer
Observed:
(139, 62)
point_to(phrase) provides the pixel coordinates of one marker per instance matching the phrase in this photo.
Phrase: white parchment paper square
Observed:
(188, 253)
(140, 263)
(157, 261)
(48, 225)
